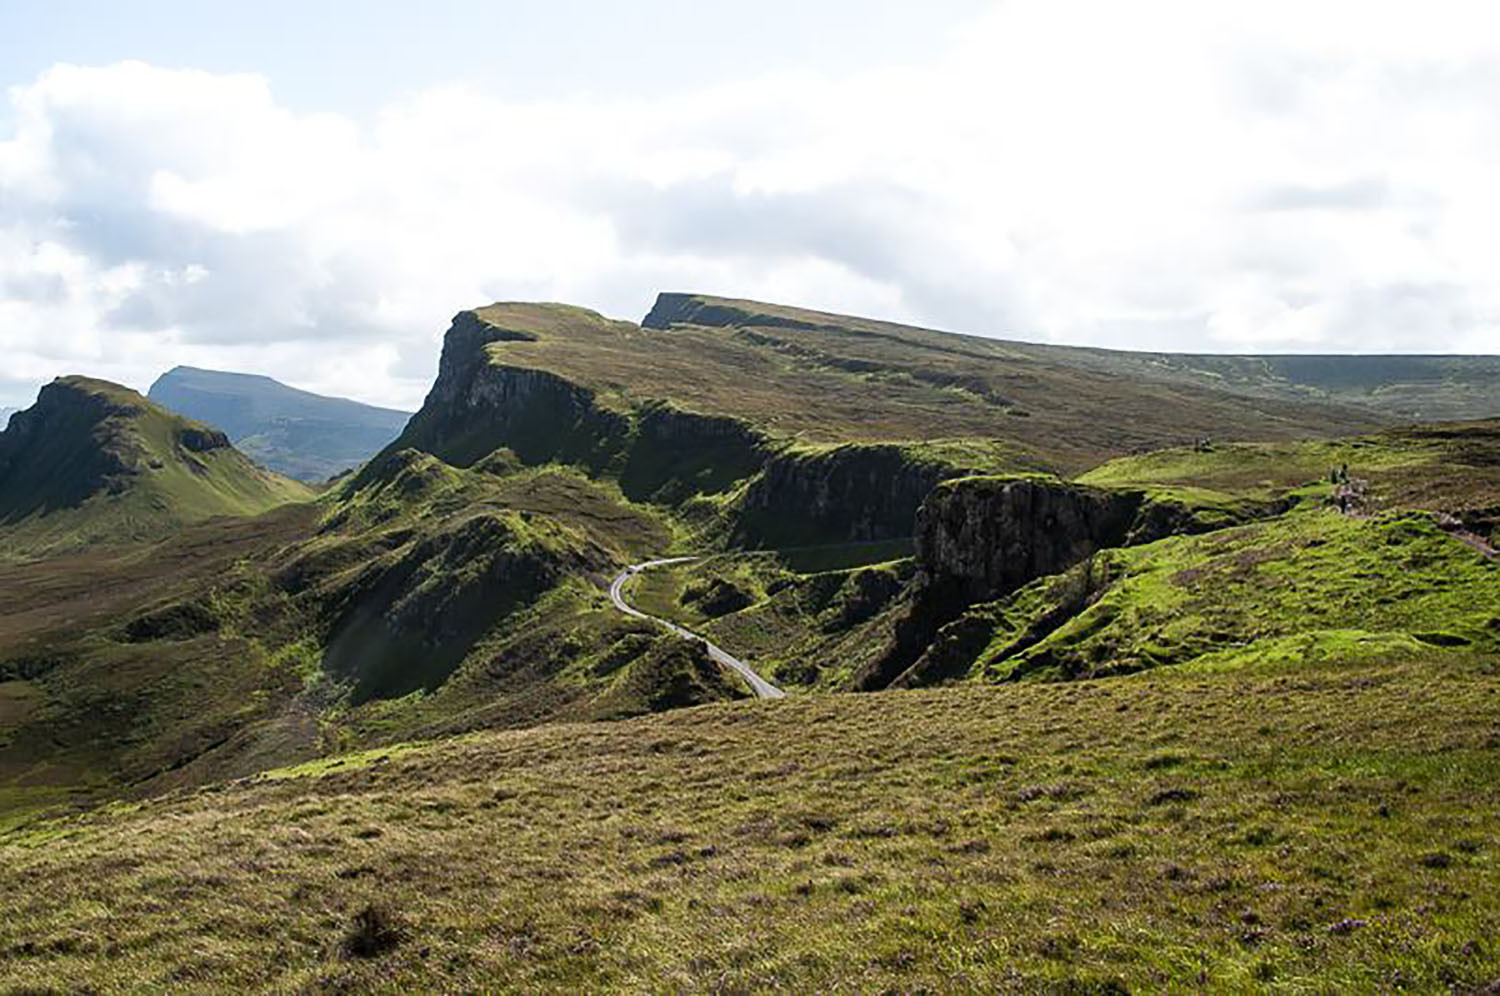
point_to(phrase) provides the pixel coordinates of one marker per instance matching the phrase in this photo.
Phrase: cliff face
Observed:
(85, 437)
(657, 452)
(477, 406)
(695, 309)
(988, 536)
(61, 450)
(847, 494)
(981, 538)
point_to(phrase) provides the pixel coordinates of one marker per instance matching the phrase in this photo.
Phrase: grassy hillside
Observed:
(1453, 467)
(1402, 388)
(1218, 715)
(1408, 567)
(297, 433)
(802, 375)
(1305, 825)
(95, 463)
(1307, 586)
(431, 600)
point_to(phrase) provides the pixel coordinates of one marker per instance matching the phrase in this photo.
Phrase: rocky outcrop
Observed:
(202, 439)
(981, 538)
(850, 493)
(63, 449)
(695, 309)
(674, 454)
(989, 536)
(477, 406)
(480, 404)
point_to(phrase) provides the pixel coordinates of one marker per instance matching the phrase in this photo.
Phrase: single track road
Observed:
(761, 686)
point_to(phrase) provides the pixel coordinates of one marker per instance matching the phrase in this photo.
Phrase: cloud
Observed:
(1267, 176)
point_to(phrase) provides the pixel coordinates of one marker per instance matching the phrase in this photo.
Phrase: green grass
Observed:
(834, 379)
(112, 467)
(1313, 828)
(1446, 466)
(1310, 583)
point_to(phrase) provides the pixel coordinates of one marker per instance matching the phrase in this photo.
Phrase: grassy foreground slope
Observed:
(434, 600)
(95, 463)
(1302, 826)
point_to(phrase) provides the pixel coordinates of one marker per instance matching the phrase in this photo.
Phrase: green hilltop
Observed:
(92, 462)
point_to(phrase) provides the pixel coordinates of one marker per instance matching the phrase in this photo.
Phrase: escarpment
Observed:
(478, 405)
(981, 538)
(851, 493)
(658, 451)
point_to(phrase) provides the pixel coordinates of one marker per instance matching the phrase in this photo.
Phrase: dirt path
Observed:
(1455, 528)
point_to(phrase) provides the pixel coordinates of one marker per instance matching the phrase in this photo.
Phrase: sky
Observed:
(311, 190)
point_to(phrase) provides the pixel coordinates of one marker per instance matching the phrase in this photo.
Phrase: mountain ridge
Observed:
(95, 462)
(304, 435)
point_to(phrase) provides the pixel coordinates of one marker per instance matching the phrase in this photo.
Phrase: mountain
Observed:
(297, 433)
(95, 463)
(5, 414)
(1401, 388)
(1167, 633)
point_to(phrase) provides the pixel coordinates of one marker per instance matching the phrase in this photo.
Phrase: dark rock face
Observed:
(690, 309)
(62, 450)
(981, 538)
(477, 406)
(991, 536)
(674, 454)
(849, 494)
(202, 439)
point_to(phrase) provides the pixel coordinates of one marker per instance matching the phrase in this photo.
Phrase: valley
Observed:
(752, 647)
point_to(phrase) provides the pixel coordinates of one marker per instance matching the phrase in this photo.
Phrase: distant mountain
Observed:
(5, 414)
(94, 463)
(293, 432)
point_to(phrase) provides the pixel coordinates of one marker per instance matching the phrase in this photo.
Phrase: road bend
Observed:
(761, 686)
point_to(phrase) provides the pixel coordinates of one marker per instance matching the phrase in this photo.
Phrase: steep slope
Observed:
(303, 435)
(795, 375)
(764, 426)
(5, 414)
(95, 463)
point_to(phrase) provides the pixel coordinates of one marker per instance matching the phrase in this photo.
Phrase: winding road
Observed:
(762, 687)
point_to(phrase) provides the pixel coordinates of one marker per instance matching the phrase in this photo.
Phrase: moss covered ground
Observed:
(1317, 581)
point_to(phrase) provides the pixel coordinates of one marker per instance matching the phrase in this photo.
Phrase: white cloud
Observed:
(1266, 176)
